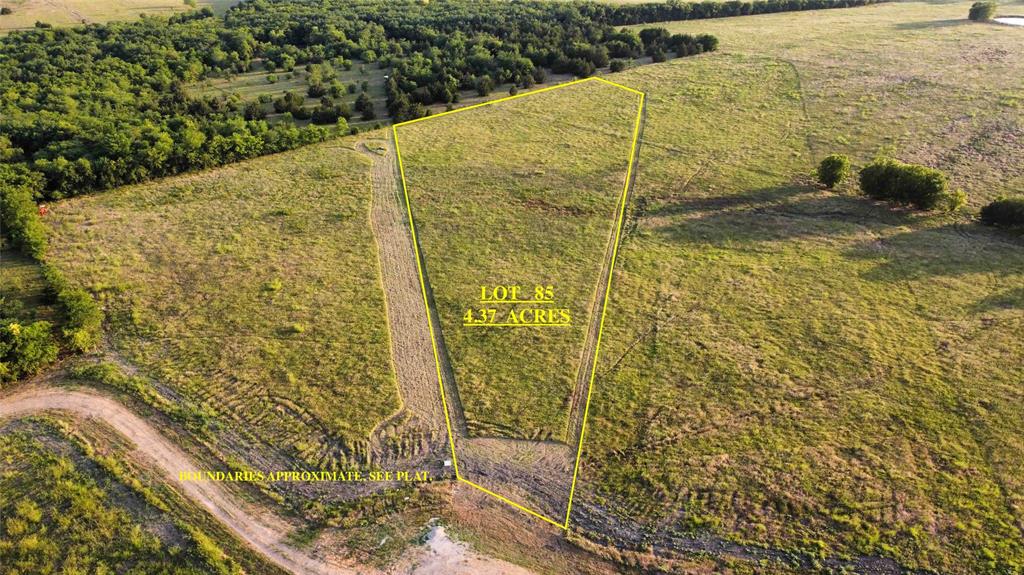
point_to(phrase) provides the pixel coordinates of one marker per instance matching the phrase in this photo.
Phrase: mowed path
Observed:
(413, 359)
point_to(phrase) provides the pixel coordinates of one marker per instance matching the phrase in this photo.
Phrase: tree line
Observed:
(642, 13)
(103, 105)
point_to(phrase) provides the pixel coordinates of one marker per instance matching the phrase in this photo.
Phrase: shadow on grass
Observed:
(932, 24)
(949, 250)
(1008, 299)
(901, 244)
(773, 214)
(756, 198)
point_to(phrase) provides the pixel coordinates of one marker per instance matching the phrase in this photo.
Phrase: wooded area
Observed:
(104, 105)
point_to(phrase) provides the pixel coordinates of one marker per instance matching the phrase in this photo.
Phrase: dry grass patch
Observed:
(252, 290)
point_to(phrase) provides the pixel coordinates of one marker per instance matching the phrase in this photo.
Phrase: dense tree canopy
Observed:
(107, 104)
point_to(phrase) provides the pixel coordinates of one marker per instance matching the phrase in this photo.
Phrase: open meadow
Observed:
(786, 371)
(808, 369)
(520, 193)
(251, 292)
(25, 13)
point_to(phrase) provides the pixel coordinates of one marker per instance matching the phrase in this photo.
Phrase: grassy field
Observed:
(71, 508)
(808, 369)
(251, 85)
(251, 290)
(533, 206)
(781, 365)
(25, 13)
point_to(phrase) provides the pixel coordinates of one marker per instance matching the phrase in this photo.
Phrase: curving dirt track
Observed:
(262, 531)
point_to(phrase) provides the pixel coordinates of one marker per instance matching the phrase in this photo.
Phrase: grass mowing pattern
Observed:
(808, 369)
(519, 193)
(253, 290)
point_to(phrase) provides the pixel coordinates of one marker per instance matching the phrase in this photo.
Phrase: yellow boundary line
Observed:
(604, 305)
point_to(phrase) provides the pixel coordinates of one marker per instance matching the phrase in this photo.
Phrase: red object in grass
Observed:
(43, 210)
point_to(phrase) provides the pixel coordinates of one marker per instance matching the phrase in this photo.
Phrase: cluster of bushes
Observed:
(365, 106)
(293, 104)
(25, 348)
(904, 184)
(1005, 212)
(82, 317)
(919, 186)
(982, 11)
(329, 112)
(657, 43)
(894, 182)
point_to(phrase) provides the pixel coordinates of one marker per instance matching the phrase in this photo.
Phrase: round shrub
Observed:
(904, 184)
(982, 11)
(617, 65)
(1007, 212)
(833, 170)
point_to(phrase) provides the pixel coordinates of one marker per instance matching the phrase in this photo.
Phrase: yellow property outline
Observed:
(604, 305)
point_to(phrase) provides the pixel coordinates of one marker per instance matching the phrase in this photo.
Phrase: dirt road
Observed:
(262, 531)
